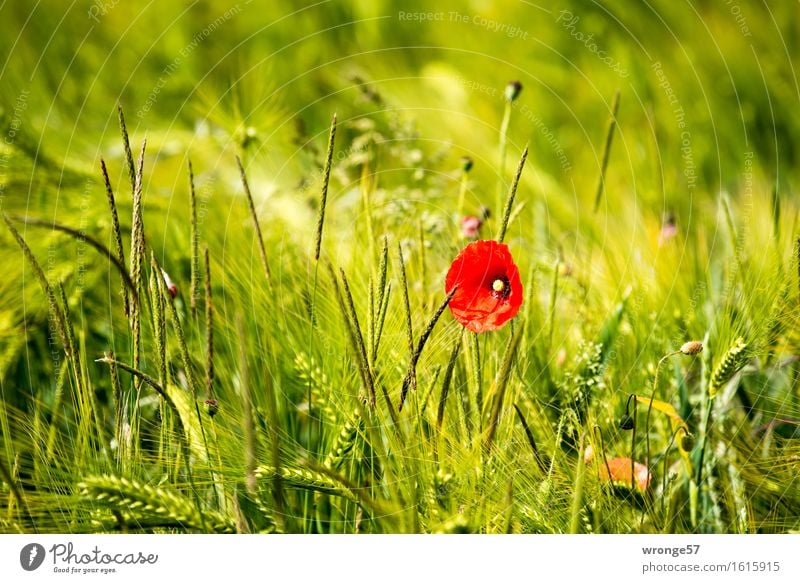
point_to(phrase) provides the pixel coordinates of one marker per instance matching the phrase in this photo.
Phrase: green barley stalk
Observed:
(501, 384)
(422, 266)
(148, 380)
(195, 265)
(323, 199)
(209, 329)
(531, 440)
(448, 377)
(251, 205)
(307, 479)
(383, 291)
(577, 493)
(86, 398)
(137, 250)
(551, 320)
(383, 269)
(164, 394)
(186, 360)
(159, 338)
(732, 362)
(406, 301)
(345, 440)
(55, 310)
(476, 369)
(410, 380)
(612, 125)
(512, 193)
(117, 231)
(351, 308)
(354, 335)
(57, 409)
(273, 421)
(126, 143)
(371, 311)
(776, 213)
(89, 240)
(797, 253)
(146, 503)
(250, 454)
(159, 318)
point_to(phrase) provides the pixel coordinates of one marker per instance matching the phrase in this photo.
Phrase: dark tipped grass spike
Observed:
(410, 380)
(262, 250)
(323, 199)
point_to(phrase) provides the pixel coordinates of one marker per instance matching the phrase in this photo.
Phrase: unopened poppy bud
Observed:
(687, 442)
(466, 163)
(691, 348)
(171, 287)
(513, 90)
(486, 213)
(212, 407)
(626, 422)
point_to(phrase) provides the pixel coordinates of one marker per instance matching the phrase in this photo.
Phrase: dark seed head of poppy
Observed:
(626, 422)
(212, 407)
(501, 287)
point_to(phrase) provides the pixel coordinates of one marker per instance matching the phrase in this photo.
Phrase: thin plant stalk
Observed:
(612, 125)
(254, 215)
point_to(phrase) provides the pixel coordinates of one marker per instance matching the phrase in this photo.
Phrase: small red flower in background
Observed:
(489, 291)
(470, 227)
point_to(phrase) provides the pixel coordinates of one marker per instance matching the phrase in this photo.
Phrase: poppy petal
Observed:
(489, 290)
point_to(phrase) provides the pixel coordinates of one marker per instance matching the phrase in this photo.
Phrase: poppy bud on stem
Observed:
(689, 348)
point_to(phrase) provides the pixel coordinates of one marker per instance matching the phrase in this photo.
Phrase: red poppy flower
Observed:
(489, 291)
(620, 470)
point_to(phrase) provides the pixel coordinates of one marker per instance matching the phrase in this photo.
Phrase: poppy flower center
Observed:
(501, 288)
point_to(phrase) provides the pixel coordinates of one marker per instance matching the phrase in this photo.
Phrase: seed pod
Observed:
(687, 442)
(692, 348)
(626, 422)
(212, 407)
(513, 90)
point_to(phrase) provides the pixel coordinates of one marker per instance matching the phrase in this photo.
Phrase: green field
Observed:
(300, 368)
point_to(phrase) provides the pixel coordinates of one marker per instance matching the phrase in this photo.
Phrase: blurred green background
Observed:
(203, 76)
